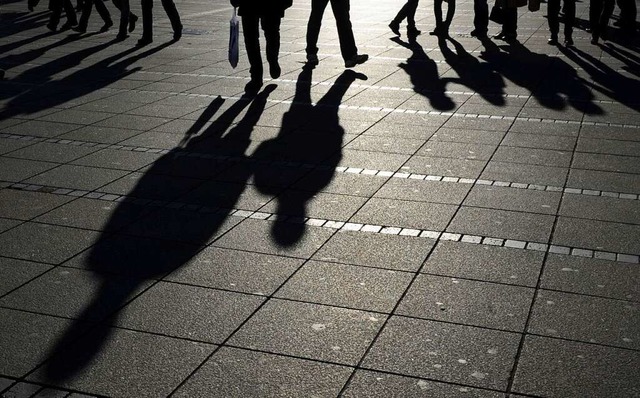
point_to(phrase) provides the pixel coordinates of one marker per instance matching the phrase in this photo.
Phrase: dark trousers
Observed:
(437, 10)
(340, 10)
(510, 24)
(553, 10)
(56, 12)
(147, 16)
(251, 33)
(481, 16)
(86, 12)
(408, 11)
(628, 15)
(599, 13)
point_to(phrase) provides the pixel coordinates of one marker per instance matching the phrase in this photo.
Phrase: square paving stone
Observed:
(120, 160)
(21, 390)
(457, 150)
(27, 339)
(612, 147)
(502, 224)
(236, 270)
(190, 312)
(127, 364)
(470, 136)
(239, 373)
(6, 224)
(77, 177)
(340, 183)
(14, 273)
(592, 276)
(486, 263)
(49, 152)
(543, 157)
(522, 126)
(469, 302)
(423, 191)
(316, 205)
(584, 318)
(154, 139)
(45, 243)
(99, 215)
(406, 131)
(604, 181)
(506, 198)
(372, 160)
(598, 235)
(182, 225)
(385, 144)
(446, 352)
(132, 122)
(601, 208)
(464, 168)
(349, 286)
(312, 331)
(383, 385)
(41, 128)
(594, 161)
(551, 367)
(54, 393)
(551, 142)
(478, 124)
(525, 173)
(105, 135)
(15, 170)
(401, 253)
(280, 238)
(8, 145)
(76, 116)
(25, 205)
(401, 213)
(74, 293)
(151, 186)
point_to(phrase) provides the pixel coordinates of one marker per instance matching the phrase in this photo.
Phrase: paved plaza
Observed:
(453, 218)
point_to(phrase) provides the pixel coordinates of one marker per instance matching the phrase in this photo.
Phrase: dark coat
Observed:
(262, 8)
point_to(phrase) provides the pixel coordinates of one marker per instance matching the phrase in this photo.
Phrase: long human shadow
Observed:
(631, 60)
(82, 82)
(309, 134)
(424, 76)
(549, 79)
(478, 76)
(142, 244)
(605, 79)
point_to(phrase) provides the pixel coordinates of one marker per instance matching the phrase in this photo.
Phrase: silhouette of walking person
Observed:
(442, 26)
(553, 11)
(509, 32)
(268, 14)
(56, 7)
(408, 12)
(127, 18)
(348, 47)
(599, 13)
(480, 19)
(319, 139)
(147, 20)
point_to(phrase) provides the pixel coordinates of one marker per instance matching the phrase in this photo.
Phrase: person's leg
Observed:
(84, 16)
(553, 9)
(480, 18)
(147, 22)
(56, 12)
(569, 20)
(607, 10)
(437, 13)
(510, 25)
(412, 7)
(271, 28)
(340, 10)
(70, 12)
(252, 44)
(132, 18)
(451, 10)
(125, 10)
(595, 9)
(172, 12)
(313, 27)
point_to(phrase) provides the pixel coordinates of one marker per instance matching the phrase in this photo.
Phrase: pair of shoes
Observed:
(274, 69)
(568, 41)
(254, 85)
(553, 41)
(68, 25)
(505, 36)
(478, 34)
(177, 34)
(105, 27)
(312, 59)
(356, 60)
(395, 27)
(412, 31)
(144, 41)
(80, 29)
(132, 22)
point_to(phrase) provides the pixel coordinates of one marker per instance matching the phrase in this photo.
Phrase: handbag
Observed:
(234, 33)
(497, 14)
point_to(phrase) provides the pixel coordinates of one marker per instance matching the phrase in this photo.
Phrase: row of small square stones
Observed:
(340, 169)
(341, 225)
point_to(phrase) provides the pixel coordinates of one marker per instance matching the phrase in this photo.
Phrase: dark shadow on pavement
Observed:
(141, 244)
(309, 134)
